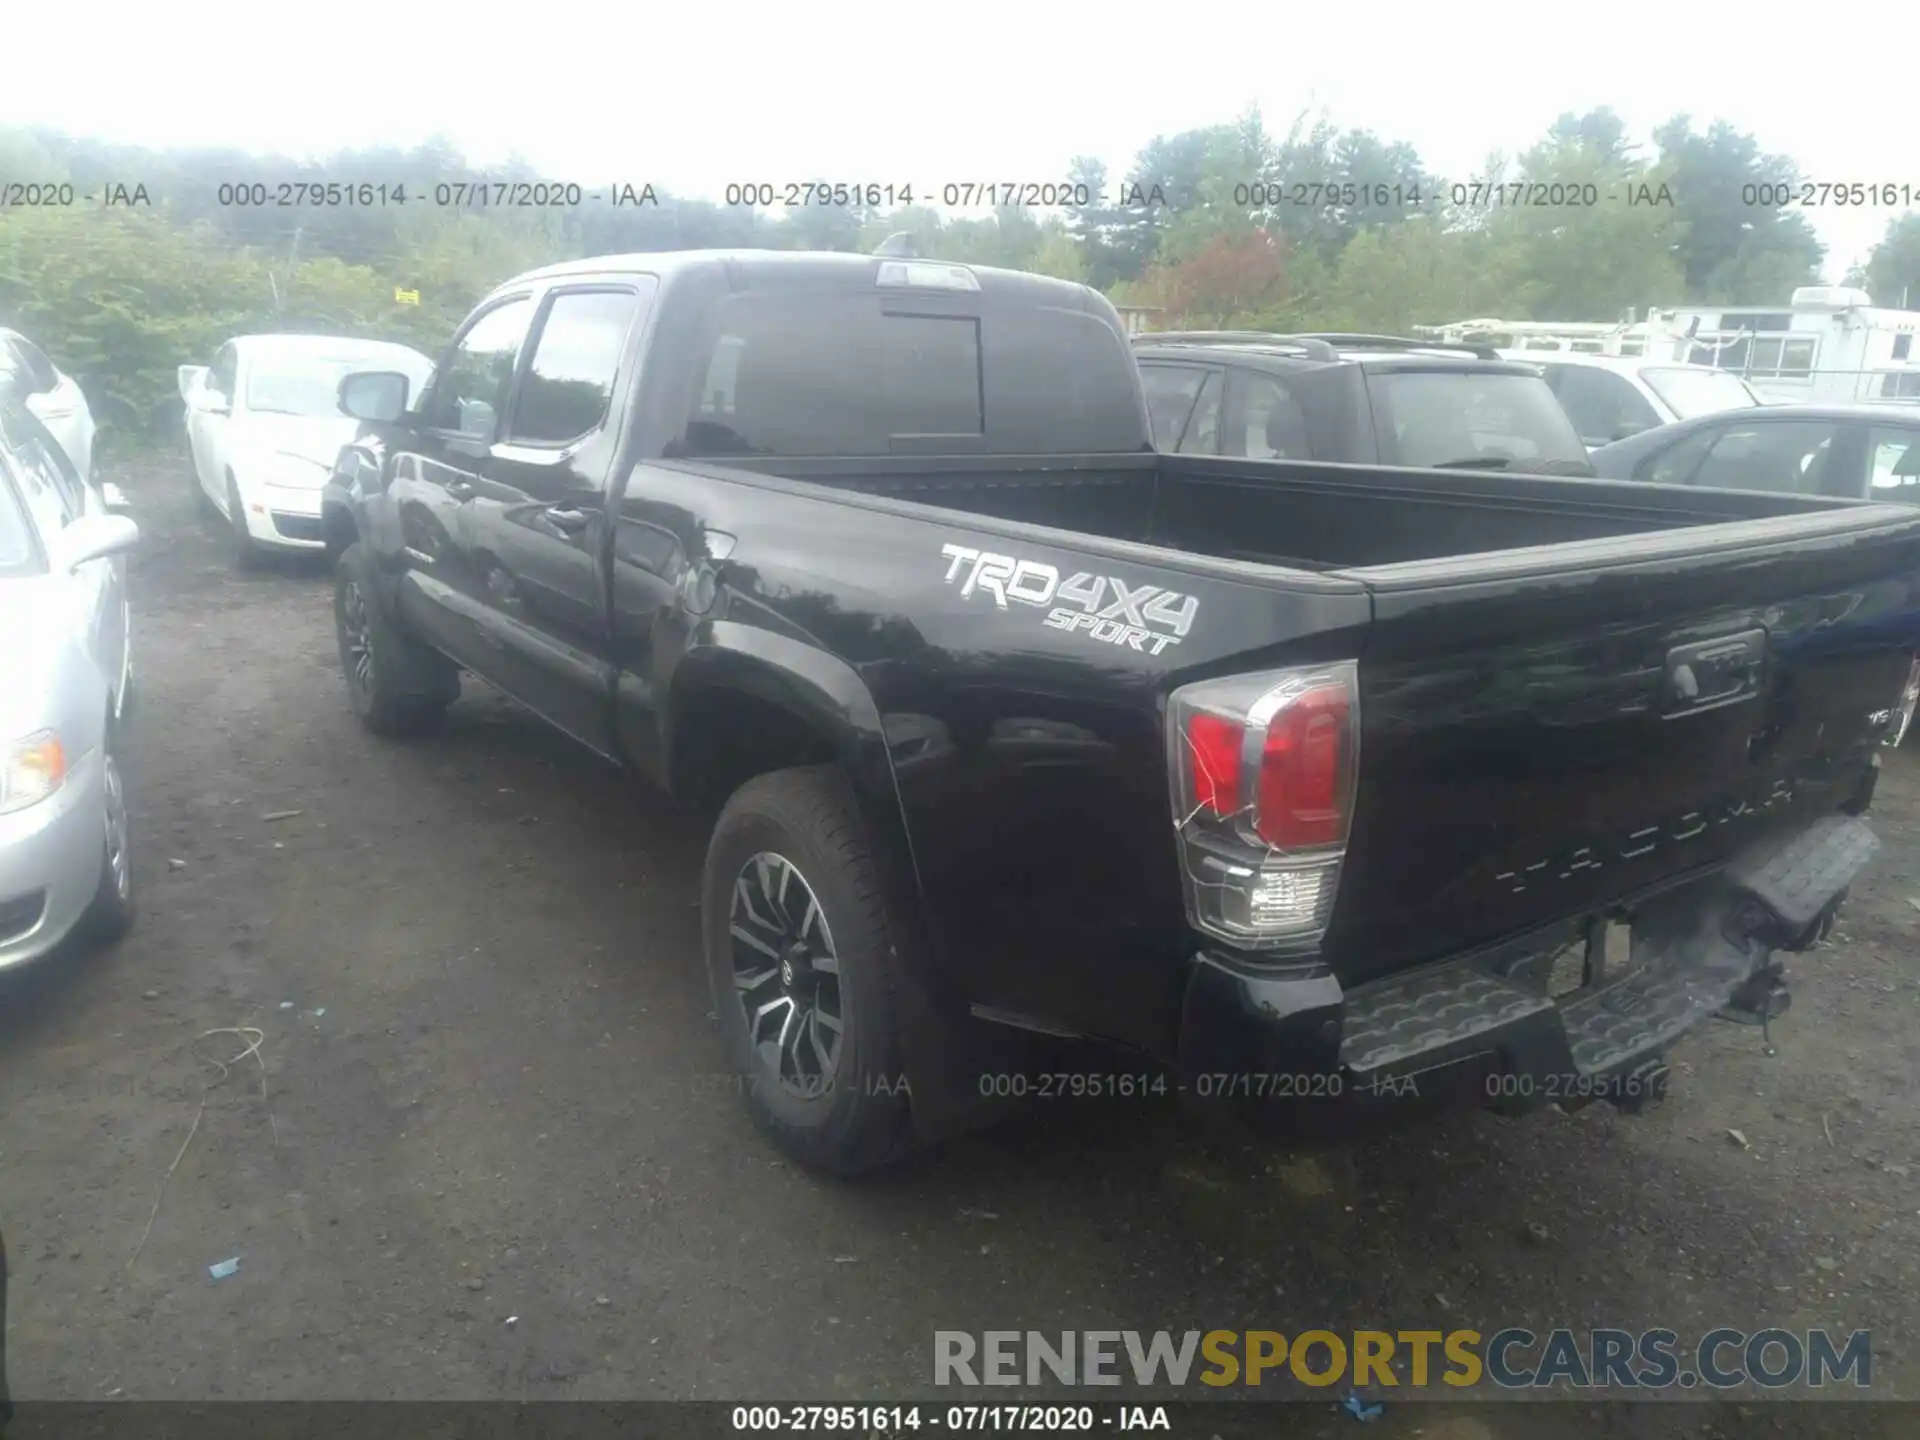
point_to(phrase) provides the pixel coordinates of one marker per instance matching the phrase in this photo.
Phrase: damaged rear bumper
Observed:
(1484, 1029)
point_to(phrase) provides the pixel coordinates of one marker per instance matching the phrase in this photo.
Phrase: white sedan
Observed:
(51, 394)
(264, 425)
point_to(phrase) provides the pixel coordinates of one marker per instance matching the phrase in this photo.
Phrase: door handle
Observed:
(460, 490)
(567, 518)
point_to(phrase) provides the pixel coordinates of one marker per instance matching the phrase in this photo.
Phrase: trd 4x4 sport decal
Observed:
(1103, 607)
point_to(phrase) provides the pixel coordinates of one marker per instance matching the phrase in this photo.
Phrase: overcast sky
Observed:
(927, 93)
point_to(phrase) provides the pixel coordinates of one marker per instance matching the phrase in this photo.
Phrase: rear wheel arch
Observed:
(761, 710)
(757, 702)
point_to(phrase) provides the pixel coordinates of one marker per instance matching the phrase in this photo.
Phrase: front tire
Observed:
(202, 502)
(240, 541)
(803, 965)
(398, 686)
(109, 915)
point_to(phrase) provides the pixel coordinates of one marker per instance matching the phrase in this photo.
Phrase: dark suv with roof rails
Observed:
(1353, 399)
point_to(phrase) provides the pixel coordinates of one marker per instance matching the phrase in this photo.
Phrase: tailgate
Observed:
(1546, 732)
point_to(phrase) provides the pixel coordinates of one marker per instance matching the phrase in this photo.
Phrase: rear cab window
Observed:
(839, 372)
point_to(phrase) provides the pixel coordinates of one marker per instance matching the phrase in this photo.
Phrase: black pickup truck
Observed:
(1286, 782)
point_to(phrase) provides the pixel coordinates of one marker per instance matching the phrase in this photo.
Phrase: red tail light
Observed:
(1216, 744)
(1263, 771)
(1300, 802)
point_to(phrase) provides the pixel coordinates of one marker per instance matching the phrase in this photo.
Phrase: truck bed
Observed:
(1522, 760)
(1300, 515)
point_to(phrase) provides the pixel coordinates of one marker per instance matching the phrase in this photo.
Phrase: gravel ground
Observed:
(491, 1096)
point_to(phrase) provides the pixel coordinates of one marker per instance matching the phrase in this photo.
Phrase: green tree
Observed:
(1732, 250)
(1581, 260)
(1113, 242)
(1334, 184)
(1058, 254)
(1891, 274)
(1421, 271)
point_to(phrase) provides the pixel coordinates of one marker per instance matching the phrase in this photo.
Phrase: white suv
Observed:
(1610, 398)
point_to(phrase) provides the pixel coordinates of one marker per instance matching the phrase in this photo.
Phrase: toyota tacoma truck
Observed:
(1282, 781)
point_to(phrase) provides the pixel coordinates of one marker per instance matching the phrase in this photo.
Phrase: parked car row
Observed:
(1363, 399)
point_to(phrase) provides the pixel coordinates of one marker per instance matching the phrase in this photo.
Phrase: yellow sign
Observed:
(406, 297)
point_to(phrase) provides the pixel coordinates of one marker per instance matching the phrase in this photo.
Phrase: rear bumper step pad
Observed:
(1702, 945)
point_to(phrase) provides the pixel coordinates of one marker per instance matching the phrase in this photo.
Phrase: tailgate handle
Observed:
(1710, 673)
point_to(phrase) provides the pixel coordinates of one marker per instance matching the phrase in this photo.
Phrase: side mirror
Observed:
(94, 537)
(190, 378)
(377, 395)
(115, 499)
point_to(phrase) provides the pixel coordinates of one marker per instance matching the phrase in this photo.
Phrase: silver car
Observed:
(64, 681)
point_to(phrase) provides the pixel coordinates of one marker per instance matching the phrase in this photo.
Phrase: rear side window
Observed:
(1463, 417)
(19, 555)
(1603, 407)
(1893, 462)
(223, 372)
(34, 365)
(1789, 456)
(1676, 463)
(1264, 421)
(41, 464)
(840, 373)
(1171, 391)
(569, 382)
(1203, 429)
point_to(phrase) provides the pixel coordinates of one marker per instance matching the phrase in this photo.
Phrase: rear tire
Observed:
(398, 686)
(806, 997)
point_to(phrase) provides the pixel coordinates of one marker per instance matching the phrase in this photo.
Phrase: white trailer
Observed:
(1829, 344)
